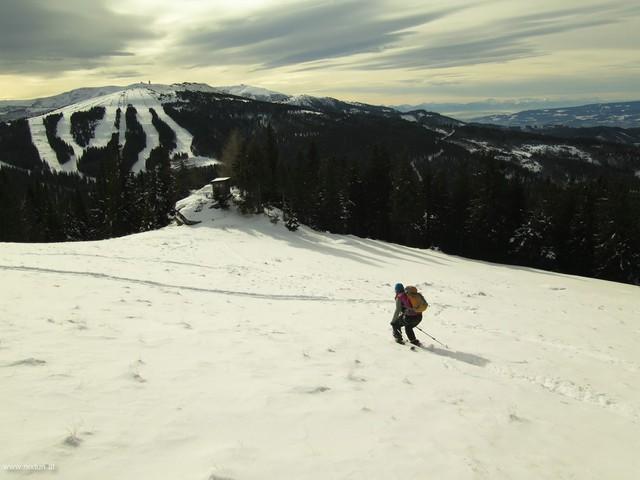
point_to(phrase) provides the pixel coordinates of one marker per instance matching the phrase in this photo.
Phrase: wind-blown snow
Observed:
(236, 349)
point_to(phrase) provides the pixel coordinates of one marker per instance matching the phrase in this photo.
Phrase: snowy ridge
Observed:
(235, 342)
(10, 109)
(256, 93)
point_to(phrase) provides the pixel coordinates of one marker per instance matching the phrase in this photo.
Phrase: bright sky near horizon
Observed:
(377, 51)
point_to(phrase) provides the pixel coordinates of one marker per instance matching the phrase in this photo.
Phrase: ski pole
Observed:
(434, 338)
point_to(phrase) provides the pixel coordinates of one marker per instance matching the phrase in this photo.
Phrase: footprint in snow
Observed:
(320, 389)
(32, 362)
(516, 419)
(355, 378)
(72, 440)
(138, 378)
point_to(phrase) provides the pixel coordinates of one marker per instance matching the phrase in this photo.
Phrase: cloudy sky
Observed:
(377, 51)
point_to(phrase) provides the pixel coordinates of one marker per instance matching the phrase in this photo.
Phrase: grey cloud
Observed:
(502, 40)
(53, 36)
(303, 33)
(118, 73)
(567, 86)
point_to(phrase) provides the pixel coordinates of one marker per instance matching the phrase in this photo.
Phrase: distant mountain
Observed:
(70, 132)
(13, 109)
(256, 93)
(489, 107)
(620, 114)
(193, 122)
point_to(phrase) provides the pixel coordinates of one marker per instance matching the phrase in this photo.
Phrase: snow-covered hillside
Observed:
(11, 109)
(621, 114)
(142, 97)
(256, 93)
(235, 349)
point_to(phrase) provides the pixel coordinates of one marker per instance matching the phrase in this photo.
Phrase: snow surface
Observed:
(236, 349)
(41, 142)
(559, 150)
(409, 117)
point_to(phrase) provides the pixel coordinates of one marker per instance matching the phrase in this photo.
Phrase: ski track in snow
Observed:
(185, 287)
(561, 387)
(165, 285)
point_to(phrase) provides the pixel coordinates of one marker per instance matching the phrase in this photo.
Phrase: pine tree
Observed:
(582, 234)
(488, 234)
(357, 207)
(532, 242)
(461, 229)
(231, 153)
(377, 183)
(248, 164)
(332, 196)
(271, 189)
(436, 200)
(617, 250)
(290, 218)
(77, 218)
(309, 194)
(407, 212)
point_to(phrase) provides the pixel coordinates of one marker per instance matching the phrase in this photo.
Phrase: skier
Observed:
(404, 316)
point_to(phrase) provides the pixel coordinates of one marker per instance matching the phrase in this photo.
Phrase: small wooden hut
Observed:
(221, 187)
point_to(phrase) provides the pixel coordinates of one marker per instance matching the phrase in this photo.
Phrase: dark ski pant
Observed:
(409, 323)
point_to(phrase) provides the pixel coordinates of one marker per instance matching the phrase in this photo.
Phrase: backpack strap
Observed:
(407, 306)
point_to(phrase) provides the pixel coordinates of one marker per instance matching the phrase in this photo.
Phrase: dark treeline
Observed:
(63, 150)
(16, 146)
(135, 138)
(83, 124)
(45, 206)
(475, 206)
(166, 134)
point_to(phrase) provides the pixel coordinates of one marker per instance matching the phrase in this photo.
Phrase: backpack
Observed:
(418, 303)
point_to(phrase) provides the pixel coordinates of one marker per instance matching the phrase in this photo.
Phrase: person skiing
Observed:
(404, 316)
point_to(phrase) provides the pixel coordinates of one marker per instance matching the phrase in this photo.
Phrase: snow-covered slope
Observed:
(256, 93)
(141, 96)
(238, 350)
